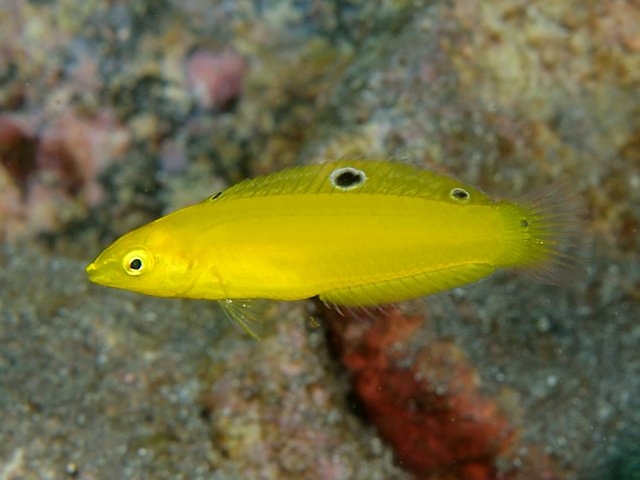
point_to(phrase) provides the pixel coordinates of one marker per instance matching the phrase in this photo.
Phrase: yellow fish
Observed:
(353, 232)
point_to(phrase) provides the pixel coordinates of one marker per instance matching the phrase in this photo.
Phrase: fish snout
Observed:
(91, 270)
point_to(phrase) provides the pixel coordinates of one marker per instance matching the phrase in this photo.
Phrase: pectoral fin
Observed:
(247, 314)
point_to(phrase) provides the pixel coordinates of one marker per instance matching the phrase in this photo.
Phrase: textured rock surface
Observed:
(106, 124)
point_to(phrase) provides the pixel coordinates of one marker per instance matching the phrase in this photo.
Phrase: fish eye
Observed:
(135, 264)
(460, 194)
(347, 178)
(137, 261)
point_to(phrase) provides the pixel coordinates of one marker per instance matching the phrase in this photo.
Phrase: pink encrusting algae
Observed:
(49, 172)
(215, 78)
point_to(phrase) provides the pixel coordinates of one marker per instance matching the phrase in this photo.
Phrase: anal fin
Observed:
(406, 288)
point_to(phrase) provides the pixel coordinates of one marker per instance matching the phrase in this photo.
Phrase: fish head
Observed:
(139, 262)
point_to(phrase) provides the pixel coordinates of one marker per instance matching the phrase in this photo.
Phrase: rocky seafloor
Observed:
(114, 113)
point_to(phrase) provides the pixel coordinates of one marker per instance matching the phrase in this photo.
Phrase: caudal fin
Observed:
(556, 242)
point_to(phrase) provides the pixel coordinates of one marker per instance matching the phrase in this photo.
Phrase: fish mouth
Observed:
(93, 273)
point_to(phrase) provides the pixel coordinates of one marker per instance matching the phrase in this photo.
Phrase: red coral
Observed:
(425, 404)
(18, 146)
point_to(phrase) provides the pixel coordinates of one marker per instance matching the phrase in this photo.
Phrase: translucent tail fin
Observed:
(554, 219)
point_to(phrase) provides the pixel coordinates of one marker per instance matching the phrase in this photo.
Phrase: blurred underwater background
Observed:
(113, 113)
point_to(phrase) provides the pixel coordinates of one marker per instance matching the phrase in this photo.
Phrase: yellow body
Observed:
(352, 232)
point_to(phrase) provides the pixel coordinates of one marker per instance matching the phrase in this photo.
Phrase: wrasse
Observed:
(352, 232)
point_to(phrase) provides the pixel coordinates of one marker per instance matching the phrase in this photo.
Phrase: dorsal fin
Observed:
(353, 177)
